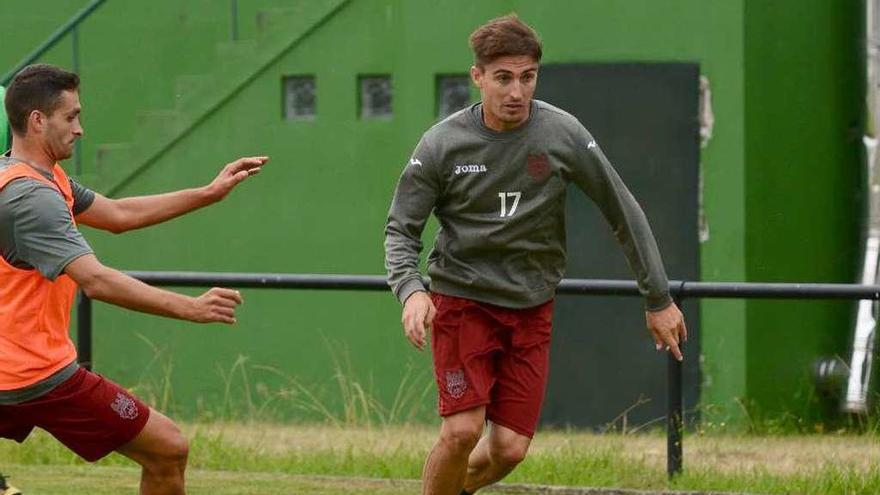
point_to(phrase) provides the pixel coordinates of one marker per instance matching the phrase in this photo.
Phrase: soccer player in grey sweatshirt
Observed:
(495, 176)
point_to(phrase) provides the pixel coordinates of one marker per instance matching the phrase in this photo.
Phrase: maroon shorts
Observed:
(486, 355)
(89, 414)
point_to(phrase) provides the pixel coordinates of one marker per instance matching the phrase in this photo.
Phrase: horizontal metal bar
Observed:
(718, 290)
(53, 39)
(263, 280)
(727, 290)
(731, 290)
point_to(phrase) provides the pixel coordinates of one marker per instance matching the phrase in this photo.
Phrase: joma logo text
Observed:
(470, 169)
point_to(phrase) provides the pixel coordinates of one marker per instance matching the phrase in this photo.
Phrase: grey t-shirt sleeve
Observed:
(592, 172)
(43, 234)
(83, 197)
(414, 199)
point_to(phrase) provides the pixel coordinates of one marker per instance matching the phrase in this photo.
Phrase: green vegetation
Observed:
(253, 391)
(357, 435)
(286, 458)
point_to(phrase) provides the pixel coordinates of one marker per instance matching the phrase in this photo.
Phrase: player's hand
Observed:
(418, 313)
(216, 306)
(234, 173)
(668, 329)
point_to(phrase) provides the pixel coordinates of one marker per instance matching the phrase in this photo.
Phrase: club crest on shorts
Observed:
(538, 166)
(455, 383)
(124, 406)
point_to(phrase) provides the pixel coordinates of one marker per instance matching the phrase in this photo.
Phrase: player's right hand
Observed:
(418, 313)
(233, 174)
(216, 306)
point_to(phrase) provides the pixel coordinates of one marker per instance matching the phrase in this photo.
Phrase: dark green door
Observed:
(645, 117)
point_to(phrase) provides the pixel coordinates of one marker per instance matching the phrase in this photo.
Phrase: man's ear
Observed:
(477, 76)
(36, 121)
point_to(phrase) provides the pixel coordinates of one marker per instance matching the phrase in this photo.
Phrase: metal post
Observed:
(84, 330)
(674, 421)
(233, 7)
(74, 42)
(77, 151)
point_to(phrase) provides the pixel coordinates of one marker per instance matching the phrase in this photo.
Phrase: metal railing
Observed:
(53, 39)
(679, 289)
(69, 27)
(233, 17)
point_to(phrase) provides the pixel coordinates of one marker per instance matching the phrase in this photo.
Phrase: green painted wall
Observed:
(803, 107)
(131, 57)
(320, 204)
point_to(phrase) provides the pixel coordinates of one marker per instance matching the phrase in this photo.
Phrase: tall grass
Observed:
(348, 401)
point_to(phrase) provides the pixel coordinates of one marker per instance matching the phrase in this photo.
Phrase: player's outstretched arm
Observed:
(594, 174)
(121, 215)
(112, 286)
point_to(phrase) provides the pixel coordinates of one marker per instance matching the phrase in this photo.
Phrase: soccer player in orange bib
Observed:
(43, 258)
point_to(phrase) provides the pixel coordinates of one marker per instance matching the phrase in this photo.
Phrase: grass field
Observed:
(236, 458)
(82, 480)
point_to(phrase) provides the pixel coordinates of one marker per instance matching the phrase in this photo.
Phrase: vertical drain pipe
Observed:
(860, 366)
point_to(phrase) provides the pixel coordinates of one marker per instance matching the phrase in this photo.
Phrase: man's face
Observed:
(507, 85)
(60, 130)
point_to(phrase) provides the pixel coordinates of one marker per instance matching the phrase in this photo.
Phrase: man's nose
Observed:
(516, 91)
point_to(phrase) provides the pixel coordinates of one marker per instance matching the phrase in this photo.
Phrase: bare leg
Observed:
(495, 456)
(447, 463)
(161, 450)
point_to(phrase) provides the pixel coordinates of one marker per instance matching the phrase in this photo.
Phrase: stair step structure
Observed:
(187, 88)
(198, 96)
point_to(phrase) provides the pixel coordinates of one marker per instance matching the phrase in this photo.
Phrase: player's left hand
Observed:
(668, 329)
(234, 173)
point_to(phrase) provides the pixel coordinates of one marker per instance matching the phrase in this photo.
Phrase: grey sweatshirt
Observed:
(500, 201)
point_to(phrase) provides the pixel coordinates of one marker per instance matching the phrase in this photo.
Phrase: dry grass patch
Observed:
(724, 453)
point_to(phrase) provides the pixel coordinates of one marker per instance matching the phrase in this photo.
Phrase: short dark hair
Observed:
(36, 87)
(504, 36)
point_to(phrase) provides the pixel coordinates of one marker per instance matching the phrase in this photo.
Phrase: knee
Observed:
(509, 454)
(177, 449)
(170, 456)
(461, 438)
